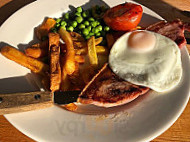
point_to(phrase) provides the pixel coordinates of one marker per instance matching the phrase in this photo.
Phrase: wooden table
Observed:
(168, 9)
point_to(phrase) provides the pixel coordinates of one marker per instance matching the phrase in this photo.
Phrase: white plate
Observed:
(141, 120)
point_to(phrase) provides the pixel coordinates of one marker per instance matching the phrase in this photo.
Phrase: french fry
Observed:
(76, 79)
(71, 107)
(98, 40)
(79, 59)
(44, 28)
(76, 36)
(70, 53)
(83, 44)
(92, 52)
(101, 50)
(79, 44)
(110, 40)
(37, 50)
(55, 69)
(65, 84)
(33, 64)
(81, 51)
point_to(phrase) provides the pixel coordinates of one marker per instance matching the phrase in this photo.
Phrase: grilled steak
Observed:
(173, 30)
(107, 89)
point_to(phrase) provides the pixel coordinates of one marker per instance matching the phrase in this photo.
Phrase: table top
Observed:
(169, 10)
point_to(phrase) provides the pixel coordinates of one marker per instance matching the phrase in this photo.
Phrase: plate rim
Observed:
(148, 139)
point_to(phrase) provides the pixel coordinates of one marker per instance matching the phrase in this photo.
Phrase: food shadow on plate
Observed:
(95, 110)
(19, 84)
(89, 5)
(35, 40)
(165, 10)
(147, 20)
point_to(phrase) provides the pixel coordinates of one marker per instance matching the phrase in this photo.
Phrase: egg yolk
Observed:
(141, 41)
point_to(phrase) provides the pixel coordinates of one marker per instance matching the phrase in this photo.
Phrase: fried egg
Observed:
(148, 59)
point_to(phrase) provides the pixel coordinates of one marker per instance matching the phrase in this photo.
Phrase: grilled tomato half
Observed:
(123, 17)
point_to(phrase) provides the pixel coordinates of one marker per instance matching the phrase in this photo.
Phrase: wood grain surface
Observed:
(168, 9)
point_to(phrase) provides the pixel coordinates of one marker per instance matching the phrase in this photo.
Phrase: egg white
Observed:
(159, 69)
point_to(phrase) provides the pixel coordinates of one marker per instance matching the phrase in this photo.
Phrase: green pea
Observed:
(97, 22)
(91, 34)
(63, 27)
(98, 34)
(79, 9)
(87, 37)
(99, 28)
(58, 20)
(66, 16)
(93, 24)
(70, 28)
(84, 14)
(79, 19)
(95, 30)
(85, 32)
(91, 19)
(106, 28)
(63, 23)
(57, 25)
(89, 28)
(78, 14)
(81, 26)
(86, 23)
(74, 24)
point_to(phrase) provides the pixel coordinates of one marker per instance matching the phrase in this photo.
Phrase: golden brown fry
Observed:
(55, 69)
(79, 59)
(98, 40)
(92, 52)
(71, 107)
(33, 64)
(81, 51)
(76, 79)
(53, 39)
(83, 44)
(37, 50)
(44, 28)
(76, 36)
(70, 53)
(79, 44)
(110, 40)
(65, 83)
(101, 50)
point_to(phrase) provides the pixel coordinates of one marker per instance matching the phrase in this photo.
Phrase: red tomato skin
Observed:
(123, 17)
